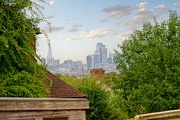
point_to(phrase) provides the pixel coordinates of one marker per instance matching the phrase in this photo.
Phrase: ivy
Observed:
(20, 75)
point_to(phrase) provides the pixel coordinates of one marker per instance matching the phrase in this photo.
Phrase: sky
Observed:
(76, 26)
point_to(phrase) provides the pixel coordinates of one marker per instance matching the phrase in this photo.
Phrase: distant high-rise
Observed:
(102, 52)
(49, 56)
(98, 58)
(69, 63)
(56, 62)
(111, 58)
(90, 62)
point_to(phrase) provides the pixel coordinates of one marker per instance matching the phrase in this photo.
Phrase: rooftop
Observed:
(60, 89)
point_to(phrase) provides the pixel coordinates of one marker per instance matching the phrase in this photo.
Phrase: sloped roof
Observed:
(60, 89)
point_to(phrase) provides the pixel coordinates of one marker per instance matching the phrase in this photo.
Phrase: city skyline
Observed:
(49, 58)
(77, 25)
(98, 59)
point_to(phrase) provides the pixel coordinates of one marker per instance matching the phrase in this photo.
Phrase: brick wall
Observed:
(97, 72)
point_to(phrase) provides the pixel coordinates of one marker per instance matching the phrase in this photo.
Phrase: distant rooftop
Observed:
(60, 89)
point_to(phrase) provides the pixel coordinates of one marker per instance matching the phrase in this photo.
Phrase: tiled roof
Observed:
(60, 89)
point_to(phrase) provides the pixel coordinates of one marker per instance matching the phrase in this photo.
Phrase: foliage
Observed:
(110, 79)
(103, 103)
(22, 84)
(149, 67)
(20, 75)
(116, 112)
(97, 98)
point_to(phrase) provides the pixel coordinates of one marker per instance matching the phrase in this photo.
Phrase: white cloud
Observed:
(54, 28)
(123, 36)
(139, 19)
(51, 2)
(82, 32)
(50, 29)
(177, 4)
(82, 35)
(75, 38)
(103, 20)
(75, 28)
(118, 11)
(160, 9)
(142, 6)
(143, 15)
(99, 33)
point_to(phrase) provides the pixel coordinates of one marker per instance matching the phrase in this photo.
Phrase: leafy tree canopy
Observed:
(20, 75)
(102, 101)
(149, 67)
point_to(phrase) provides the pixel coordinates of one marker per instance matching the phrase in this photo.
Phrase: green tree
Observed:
(97, 96)
(103, 102)
(20, 75)
(149, 67)
(116, 113)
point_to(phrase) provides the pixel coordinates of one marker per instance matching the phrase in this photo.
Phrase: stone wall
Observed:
(43, 109)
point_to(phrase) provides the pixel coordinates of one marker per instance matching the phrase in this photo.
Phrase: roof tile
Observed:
(60, 89)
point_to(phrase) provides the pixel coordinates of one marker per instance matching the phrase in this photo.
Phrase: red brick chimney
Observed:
(97, 72)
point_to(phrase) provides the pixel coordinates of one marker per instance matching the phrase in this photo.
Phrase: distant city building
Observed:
(102, 52)
(68, 63)
(49, 56)
(79, 64)
(73, 65)
(96, 60)
(56, 62)
(89, 60)
(43, 60)
(100, 59)
(51, 62)
(111, 58)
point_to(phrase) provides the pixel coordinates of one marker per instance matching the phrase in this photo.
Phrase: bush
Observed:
(103, 103)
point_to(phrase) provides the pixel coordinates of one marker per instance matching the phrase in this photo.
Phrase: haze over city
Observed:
(78, 25)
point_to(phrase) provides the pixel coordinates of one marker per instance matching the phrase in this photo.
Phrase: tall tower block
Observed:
(49, 56)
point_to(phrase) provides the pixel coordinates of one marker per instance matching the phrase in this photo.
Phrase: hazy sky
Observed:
(77, 25)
